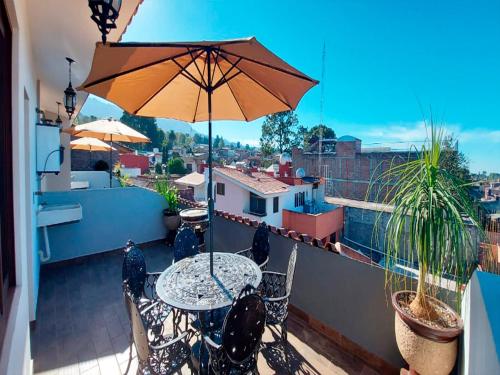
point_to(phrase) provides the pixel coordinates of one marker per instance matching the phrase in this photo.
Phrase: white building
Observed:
(35, 39)
(196, 182)
(259, 196)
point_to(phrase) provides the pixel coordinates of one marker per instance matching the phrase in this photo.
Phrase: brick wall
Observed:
(85, 160)
(351, 171)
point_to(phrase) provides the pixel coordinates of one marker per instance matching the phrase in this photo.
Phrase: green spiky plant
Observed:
(431, 220)
(170, 193)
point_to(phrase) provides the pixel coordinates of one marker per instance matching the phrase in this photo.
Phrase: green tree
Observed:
(181, 139)
(200, 139)
(279, 132)
(158, 168)
(238, 145)
(171, 138)
(176, 166)
(453, 160)
(164, 154)
(83, 119)
(146, 126)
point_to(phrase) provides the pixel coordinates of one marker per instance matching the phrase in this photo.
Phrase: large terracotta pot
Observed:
(427, 349)
(172, 220)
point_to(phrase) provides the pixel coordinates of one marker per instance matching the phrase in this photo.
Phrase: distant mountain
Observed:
(104, 109)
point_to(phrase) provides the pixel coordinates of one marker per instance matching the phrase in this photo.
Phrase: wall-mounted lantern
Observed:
(104, 14)
(70, 93)
(58, 119)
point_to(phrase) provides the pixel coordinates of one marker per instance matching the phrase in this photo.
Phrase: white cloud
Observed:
(418, 132)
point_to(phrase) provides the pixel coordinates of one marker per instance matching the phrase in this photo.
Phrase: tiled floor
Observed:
(82, 326)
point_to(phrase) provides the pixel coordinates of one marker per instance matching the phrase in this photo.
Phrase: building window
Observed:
(189, 167)
(221, 188)
(276, 204)
(300, 199)
(257, 205)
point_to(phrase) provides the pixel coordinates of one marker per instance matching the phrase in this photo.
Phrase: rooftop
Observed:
(82, 325)
(260, 182)
(193, 179)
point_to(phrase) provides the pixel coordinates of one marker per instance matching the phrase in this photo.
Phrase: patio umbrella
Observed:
(108, 130)
(91, 145)
(196, 81)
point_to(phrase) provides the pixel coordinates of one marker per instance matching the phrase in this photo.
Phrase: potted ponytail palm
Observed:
(431, 223)
(171, 215)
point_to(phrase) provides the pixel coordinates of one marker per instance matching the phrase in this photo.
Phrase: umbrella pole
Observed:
(111, 161)
(210, 189)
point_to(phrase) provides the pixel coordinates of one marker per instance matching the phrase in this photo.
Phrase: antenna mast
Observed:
(321, 106)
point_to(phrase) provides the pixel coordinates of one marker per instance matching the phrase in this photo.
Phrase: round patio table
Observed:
(188, 285)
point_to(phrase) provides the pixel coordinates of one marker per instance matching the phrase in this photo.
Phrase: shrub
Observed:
(176, 166)
(170, 193)
(158, 168)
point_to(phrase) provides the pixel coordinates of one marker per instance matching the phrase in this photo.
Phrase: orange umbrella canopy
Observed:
(172, 80)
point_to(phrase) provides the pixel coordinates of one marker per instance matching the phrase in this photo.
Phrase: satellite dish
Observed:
(285, 158)
(300, 173)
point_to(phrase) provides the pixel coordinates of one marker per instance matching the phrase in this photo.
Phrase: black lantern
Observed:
(58, 119)
(70, 93)
(104, 14)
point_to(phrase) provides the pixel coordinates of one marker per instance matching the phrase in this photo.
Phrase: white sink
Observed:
(58, 214)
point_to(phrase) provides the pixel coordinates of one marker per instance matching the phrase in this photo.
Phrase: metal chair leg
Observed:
(284, 331)
(130, 354)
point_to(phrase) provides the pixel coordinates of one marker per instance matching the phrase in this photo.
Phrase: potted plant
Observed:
(171, 213)
(430, 225)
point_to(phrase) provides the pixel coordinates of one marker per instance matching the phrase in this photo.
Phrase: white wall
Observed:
(60, 181)
(15, 355)
(96, 179)
(237, 201)
(479, 354)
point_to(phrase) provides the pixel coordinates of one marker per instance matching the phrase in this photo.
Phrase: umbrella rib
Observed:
(232, 92)
(199, 93)
(148, 65)
(188, 75)
(301, 76)
(224, 75)
(163, 86)
(198, 68)
(264, 87)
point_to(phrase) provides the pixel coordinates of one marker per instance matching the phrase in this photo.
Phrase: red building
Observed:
(135, 161)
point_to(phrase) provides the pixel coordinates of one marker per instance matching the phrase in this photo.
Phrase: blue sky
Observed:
(389, 64)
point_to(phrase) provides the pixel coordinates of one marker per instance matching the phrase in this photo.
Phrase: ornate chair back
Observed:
(139, 331)
(134, 269)
(260, 243)
(244, 326)
(291, 270)
(185, 244)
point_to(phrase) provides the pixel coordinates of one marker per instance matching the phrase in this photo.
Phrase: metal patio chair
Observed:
(275, 289)
(140, 287)
(158, 353)
(235, 349)
(185, 244)
(259, 251)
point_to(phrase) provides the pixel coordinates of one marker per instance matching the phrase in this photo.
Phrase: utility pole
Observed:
(321, 106)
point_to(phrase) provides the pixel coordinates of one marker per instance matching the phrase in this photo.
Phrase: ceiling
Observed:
(61, 28)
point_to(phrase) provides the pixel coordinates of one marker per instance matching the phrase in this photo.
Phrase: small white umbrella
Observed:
(90, 144)
(109, 130)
